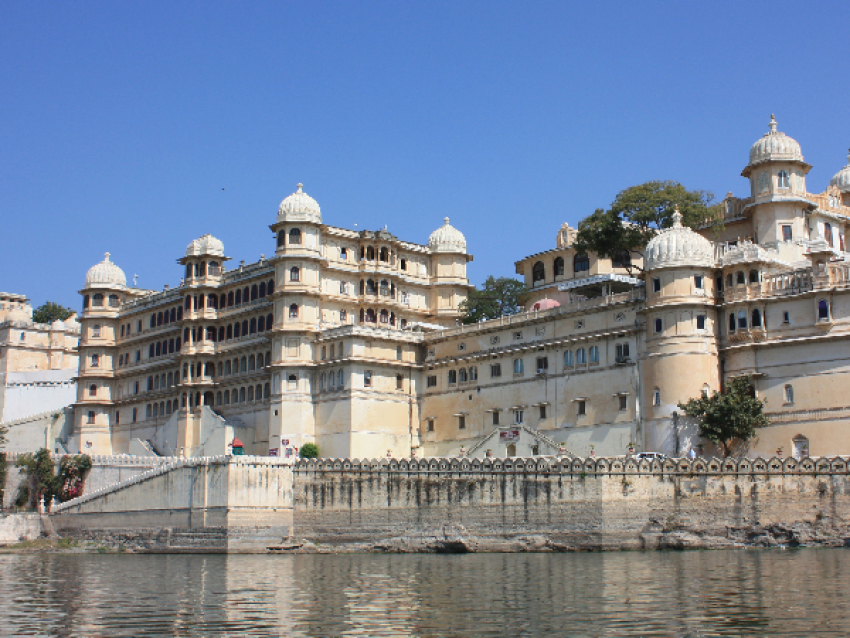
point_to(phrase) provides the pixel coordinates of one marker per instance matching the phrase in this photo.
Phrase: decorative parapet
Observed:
(167, 465)
(583, 467)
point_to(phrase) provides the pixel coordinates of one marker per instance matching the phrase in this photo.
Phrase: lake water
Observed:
(711, 593)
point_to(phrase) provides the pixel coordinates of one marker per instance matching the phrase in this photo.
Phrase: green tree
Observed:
(638, 213)
(496, 298)
(49, 312)
(728, 416)
(309, 451)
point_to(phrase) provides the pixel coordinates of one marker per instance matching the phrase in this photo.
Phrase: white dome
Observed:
(842, 178)
(774, 145)
(57, 325)
(679, 246)
(105, 274)
(299, 207)
(206, 245)
(447, 239)
(20, 315)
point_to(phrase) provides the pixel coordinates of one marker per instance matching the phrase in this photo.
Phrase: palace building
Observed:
(351, 339)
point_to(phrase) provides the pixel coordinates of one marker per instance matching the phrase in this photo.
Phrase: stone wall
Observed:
(564, 504)
(219, 504)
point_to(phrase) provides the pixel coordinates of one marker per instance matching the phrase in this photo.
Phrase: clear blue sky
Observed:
(121, 122)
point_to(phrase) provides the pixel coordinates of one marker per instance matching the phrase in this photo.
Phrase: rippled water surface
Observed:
(714, 593)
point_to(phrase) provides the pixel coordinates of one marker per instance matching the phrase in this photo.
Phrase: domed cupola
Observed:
(299, 207)
(774, 146)
(206, 245)
(841, 179)
(679, 246)
(105, 275)
(20, 316)
(447, 239)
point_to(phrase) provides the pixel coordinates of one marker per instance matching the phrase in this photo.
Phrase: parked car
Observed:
(651, 455)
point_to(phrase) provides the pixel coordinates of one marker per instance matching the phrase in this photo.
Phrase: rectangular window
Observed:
(398, 353)
(95, 331)
(430, 425)
(698, 282)
(624, 402)
(367, 379)
(786, 317)
(91, 416)
(399, 382)
(542, 411)
(659, 325)
(786, 233)
(495, 418)
(517, 336)
(656, 284)
(518, 416)
(461, 422)
(581, 407)
(431, 381)
(495, 370)
(622, 351)
(700, 322)
(542, 365)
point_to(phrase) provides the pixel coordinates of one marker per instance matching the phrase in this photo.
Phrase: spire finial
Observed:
(772, 123)
(446, 220)
(300, 187)
(106, 256)
(677, 217)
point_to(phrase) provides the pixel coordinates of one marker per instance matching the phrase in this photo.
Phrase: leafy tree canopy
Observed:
(309, 451)
(49, 312)
(638, 213)
(726, 417)
(496, 297)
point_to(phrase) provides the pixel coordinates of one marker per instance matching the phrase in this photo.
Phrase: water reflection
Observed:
(717, 593)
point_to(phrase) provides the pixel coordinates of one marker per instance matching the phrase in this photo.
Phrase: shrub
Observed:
(309, 451)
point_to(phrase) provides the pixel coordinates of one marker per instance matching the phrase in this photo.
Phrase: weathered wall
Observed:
(212, 504)
(504, 505)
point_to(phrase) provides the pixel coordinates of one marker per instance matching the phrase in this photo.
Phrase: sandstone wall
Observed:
(519, 504)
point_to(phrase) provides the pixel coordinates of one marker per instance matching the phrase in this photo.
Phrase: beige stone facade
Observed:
(350, 339)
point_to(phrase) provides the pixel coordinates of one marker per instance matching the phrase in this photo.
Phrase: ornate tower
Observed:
(103, 294)
(681, 358)
(297, 315)
(448, 272)
(841, 180)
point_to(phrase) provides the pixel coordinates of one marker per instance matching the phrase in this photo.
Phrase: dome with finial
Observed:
(679, 246)
(105, 275)
(299, 207)
(775, 145)
(206, 245)
(841, 179)
(447, 239)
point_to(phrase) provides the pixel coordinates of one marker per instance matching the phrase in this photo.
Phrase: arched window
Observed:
(581, 263)
(392, 318)
(158, 349)
(228, 332)
(656, 397)
(754, 276)
(705, 390)
(250, 393)
(222, 301)
(92, 390)
(255, 292)
(97, 300)
(295, 236)
(245, 327)
(622, 260)
(473, 374)
(568, 358)
(268, 322)
(227, 368)
(789, 394)
(238, 296)
(519, 366)
(742, 319)
(385, 254)
(756, 318)
(281, 238)
(370, 253)
(462, 376)
(252, 362)
(782, 180)
(230, 298)
(148, 411)
(258, 394)
(293, 311)
(253, 325)
(404, 264)
(343, 316)
(823, 310)
(385, 288)
(261, 324)
(241, 395)
(452, 376)
(221, 333)
(594, 354)
(538, 272)
(339, 381)
(371, 287)
(237, 330)
(827, 233)
(385, 316)
(740, 278)
(362, 287)
(85, 301)
(559, 266)
(270, 287)
(370, 316)
(113, 301)
(260, 361)
(731, 322)
(262, 290)
(581, 356)
(150, 384)
(243, 364)
(153, 321)
(151, 350)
